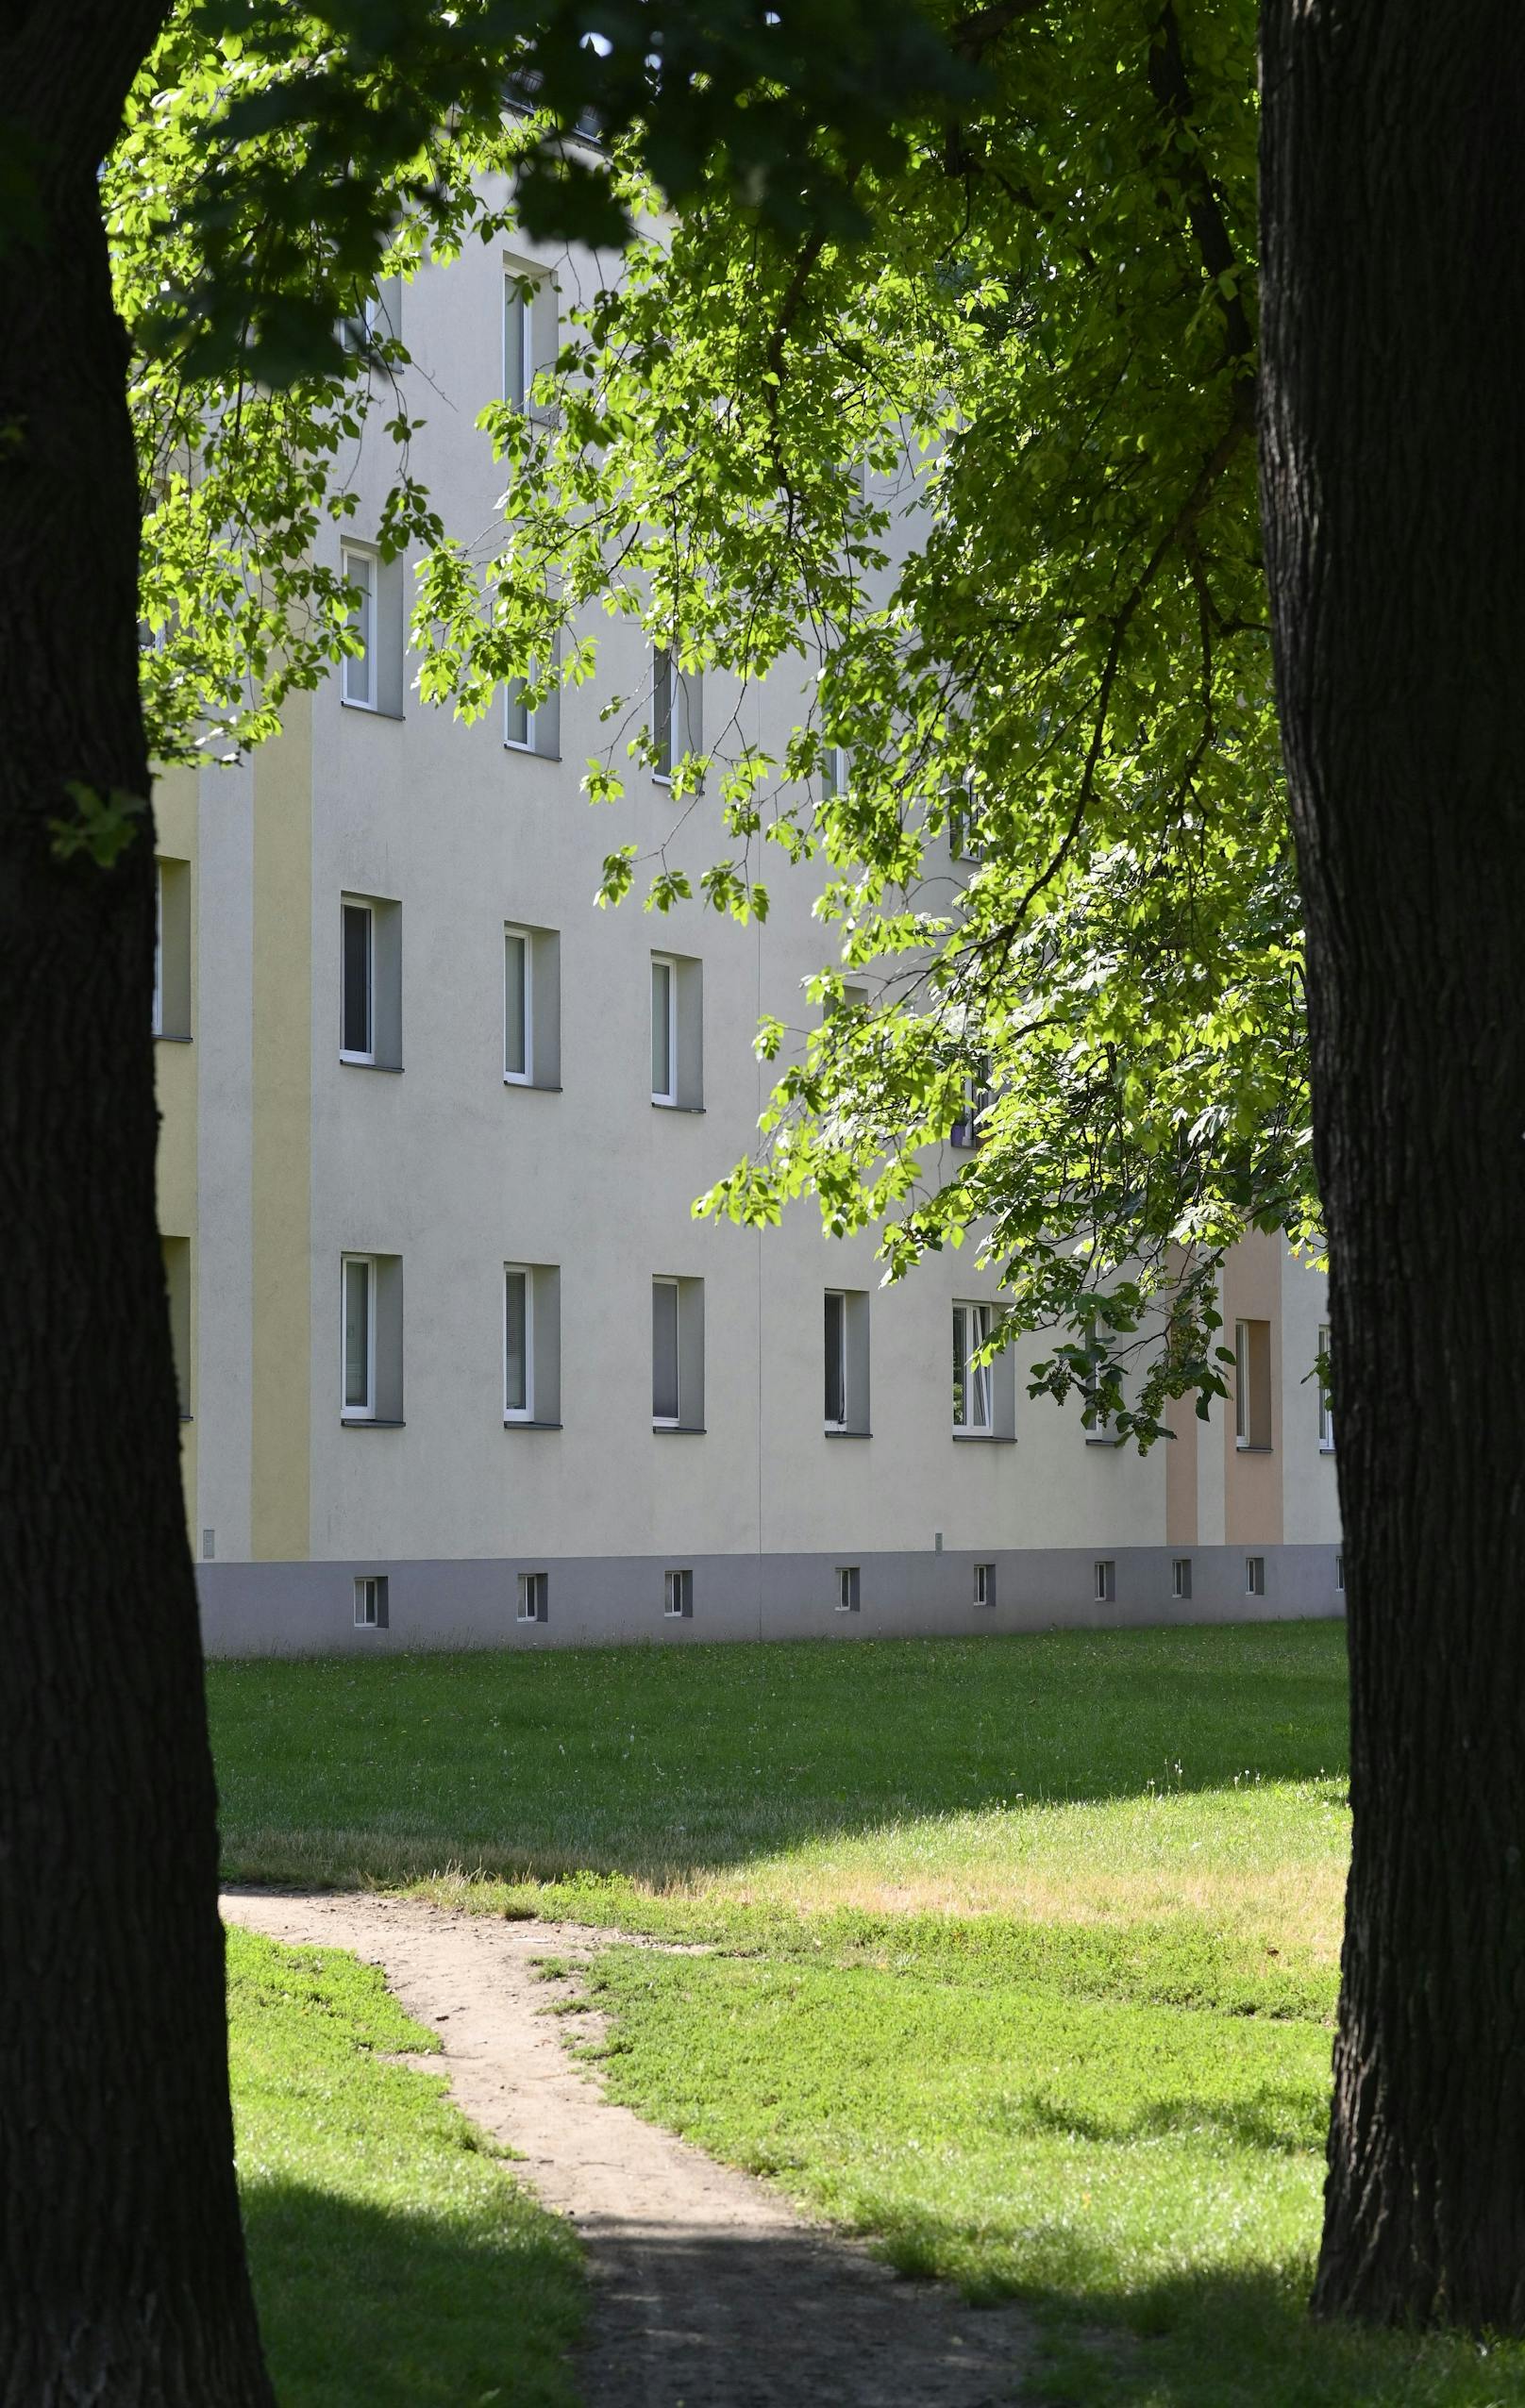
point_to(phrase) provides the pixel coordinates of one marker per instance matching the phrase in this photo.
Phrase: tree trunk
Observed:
(122, 2270)
(1394, 483)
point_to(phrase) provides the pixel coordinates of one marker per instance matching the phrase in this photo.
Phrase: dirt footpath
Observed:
(709, 2291)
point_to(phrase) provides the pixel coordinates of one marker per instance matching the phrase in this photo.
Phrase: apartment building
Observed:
(459, 1367)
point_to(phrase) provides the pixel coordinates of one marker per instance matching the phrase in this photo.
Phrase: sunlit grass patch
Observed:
(397, 2259)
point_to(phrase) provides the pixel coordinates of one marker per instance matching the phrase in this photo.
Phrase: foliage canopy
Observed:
(950, 431)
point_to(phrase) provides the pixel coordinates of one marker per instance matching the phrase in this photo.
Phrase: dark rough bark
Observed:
(1394, 471)
(122, 2273)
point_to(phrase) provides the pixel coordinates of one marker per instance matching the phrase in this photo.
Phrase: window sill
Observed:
(1102, 1438)
(1326, 1446)
(520, 1421)
(168, 1037)
(369, 710)
(1254, 1446)
(534, 1086)
(358, 1061)
(678, 1430)
(983, 1438)
(529, 752)
(368, 1421)
(829, 1432)
(669, 1104)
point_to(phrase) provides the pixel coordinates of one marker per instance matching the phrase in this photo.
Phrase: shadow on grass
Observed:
(662, 1763)
(365, 2307)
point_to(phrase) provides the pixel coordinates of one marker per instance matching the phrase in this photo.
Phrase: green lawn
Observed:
(395, 2259)
(1024, 1958)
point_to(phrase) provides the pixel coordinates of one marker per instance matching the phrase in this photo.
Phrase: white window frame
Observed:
(834, 772)
(525, 1078)
(518, 307)
(358, 686)
(678, 1594)
(534, 1587)
(1241, 1383)
(673, 1420)
(525, 744)
(1339, 1569)
(526, 1411)
(844, 1422)
(849, 1588)
(367, 1411)
(157, 1022)
(1105, 1584)
(1326, 1402)
(352, 903)
(369, 1600)
(666, 962)
(984, 1584)
(1181, 1577)
(1254, 1576)
(977, 1381)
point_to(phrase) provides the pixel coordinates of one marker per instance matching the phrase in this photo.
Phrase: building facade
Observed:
(459, 1367)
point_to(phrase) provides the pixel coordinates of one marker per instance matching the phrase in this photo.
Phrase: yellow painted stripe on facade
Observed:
(280, 1469)
(176, 808)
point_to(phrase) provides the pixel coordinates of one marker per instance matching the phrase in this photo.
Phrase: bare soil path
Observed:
(709, 2290)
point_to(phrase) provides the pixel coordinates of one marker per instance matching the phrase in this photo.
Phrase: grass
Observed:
(396, 2261)
(1023, 1958)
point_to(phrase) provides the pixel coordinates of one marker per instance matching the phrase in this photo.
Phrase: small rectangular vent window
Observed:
(984, 1584)
(1181, 1577)
(534, 1596)
(847, 1588)
(678, 1594)
(1106, 1581)
(1254, 1576)
(1339, 1570)
(371, 1601)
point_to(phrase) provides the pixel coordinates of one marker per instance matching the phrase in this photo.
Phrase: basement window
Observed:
(678, 1595)
(1106, 1581)
(847, 1588)
(534, 1596)
(1181, 1577)
(984, 1584)
(1254, 1576)
(371, 1601)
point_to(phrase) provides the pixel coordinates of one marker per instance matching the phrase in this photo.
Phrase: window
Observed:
(356, 1035)
(676, 1354)
(663, 1030)
(172, 950)
(847, 1588)
(359, 667)
(1339, 1569)
(836, 1359)
(677, 1032)
(978, 1098)
(377, 318)
(534, 1596)
(834, 771)
(518, 1363)
(676, 713)
(371, 1601)
(984, 1584)
(1181, 1577)
(965, 832)
(519, 362)
(1106, 1581)
(371, 678)
(531, 1007)
(518, 1007)
(1253, 1384)
(537, 730)
(846, 1353)
(370, 1338)
(972, 1387)
(370, 982)
(532, 1343)
(678, 1595)
(1326, 1402)
(360, 1337)
(1254, 1576)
